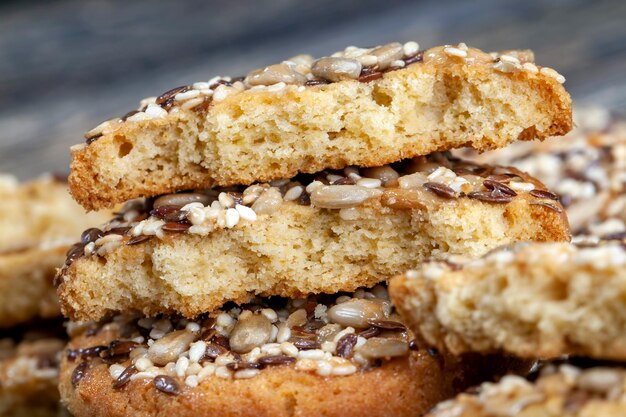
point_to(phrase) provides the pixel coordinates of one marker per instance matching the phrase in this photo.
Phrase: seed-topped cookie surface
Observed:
(365, 107)
(587, 169)
(334, 231)
(332, 355)
(531, 300)
(563, 391)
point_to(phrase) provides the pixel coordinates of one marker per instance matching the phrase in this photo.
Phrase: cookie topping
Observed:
(330, 335)
(301, 71)
(563, 389)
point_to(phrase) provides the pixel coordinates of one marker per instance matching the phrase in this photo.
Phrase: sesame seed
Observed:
(155, 111)
(553, 74)
(452, 51)
(369, 183)
(196, 351)
(187, 95)
(232, 218)
(191, 381)
(530, 67)
(226, 200)
(293, 193)
(246, 373)
(246, 213)
(143, 364)
(137, 117)
(410, 48)
(368, 60)
(190, 104)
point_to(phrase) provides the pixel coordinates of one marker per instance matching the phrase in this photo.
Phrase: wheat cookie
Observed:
(188, 253)
(333, 355)
(530, 300)
(360, 106)
(38, 223)
(560, 391)
(29, 373)
(586, 168)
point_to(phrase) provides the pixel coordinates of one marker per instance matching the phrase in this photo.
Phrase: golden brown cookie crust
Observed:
(541, 300)
(407, 386)
(300, 249)
(250, 136)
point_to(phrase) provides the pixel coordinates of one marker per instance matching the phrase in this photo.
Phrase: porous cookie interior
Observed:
(410, 184)
(331, 335)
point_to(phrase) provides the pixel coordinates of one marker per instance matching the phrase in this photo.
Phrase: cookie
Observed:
(26, 290)
(40, 213)
(271, 357)
(365, 107)
(587, 169)
(38, 222)
(534, 300)
(564, 391)
(334, 231)
(29, 375)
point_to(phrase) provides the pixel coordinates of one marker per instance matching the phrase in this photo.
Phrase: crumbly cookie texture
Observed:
(534, 300)
(587, 169)
(40, 214)
(29, 376)
(26, 290)
(320, 356)
(356, 107)
(564, 391)
(334, 231)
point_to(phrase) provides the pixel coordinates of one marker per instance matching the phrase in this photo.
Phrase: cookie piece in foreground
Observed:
(535, 300)
(270, 357)
(563, 391)
(587, 169)
(40, 213)
(189, 253)
(29, 375)
(365, 107)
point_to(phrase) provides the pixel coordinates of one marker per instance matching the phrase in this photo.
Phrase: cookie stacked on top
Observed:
(247, 274)
(38, 223)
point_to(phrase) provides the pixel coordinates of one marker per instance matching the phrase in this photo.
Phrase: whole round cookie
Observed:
(531, 300)
(336, 355)
(188, 253)
(29, 373)
(360, 106)
(564, 391)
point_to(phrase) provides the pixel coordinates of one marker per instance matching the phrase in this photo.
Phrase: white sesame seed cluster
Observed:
(335, 336)
(559, 386)
(436, 177)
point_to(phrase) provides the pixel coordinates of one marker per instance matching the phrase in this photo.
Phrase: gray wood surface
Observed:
(66, 65)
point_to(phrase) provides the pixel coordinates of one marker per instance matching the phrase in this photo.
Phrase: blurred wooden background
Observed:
(66, 65)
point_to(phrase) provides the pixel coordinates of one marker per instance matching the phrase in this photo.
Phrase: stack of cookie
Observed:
(38, 222)
(246, 275)
(558, 302)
